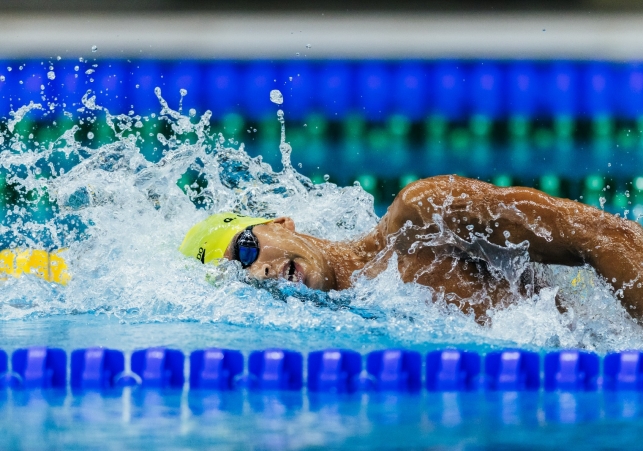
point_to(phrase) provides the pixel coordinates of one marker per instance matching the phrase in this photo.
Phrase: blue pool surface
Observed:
(242, 419)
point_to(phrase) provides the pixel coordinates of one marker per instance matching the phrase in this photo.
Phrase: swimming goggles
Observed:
(246, 247)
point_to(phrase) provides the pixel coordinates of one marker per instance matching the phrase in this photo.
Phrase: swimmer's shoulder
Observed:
(417, 201)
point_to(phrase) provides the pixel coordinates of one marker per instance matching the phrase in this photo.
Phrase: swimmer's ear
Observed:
(286, 222)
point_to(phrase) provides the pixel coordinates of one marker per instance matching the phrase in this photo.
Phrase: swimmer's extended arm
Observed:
(560, 231)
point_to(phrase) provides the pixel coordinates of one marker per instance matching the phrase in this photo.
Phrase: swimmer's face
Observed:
(286, 254)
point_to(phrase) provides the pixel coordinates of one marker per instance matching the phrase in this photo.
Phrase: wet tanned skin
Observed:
(560, 231)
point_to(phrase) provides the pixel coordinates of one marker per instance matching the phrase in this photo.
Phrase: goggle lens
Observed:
(247, 247)
(248, 255)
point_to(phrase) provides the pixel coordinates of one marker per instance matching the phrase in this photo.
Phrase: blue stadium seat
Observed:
(258, 80)
(299, 93)
(486, 88)
(335, 90)
(597, 84)
(5, 88)
(70, 84)
(448, 99)
(373, 90)
(27, 85)
(222, 88)
(523, 88)
(184, 75)
(143, 77)
(629, 91)
(561, 90)
(110, 85)
(411, 86)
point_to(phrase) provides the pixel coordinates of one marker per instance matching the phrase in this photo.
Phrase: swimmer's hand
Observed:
(49, 266)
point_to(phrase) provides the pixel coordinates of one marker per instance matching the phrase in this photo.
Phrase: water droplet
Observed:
(326, 177)
(183, 92)
(544, 29)
(51, 75)
(297, 54)
(90, 135)
(308, 46)
(276, 97)
(94, 48)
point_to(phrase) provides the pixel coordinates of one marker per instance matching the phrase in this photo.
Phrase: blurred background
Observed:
(544, 94)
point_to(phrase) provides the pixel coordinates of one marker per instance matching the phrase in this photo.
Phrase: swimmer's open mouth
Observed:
(292, 272)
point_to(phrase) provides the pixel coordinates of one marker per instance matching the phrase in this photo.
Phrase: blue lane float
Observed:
(623, 371)
(328, 371)
(395, 370)
(40, 367)
(512, 370)
(159, 367)
(96, 368)
(275, 369)
(334, 370)
(452, 370)
(215, 369)
(571, 371)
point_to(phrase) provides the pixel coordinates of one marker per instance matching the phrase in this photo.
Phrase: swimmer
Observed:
(555, 231)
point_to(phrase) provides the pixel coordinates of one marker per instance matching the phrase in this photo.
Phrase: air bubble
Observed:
(276, 97)
(2, 78)
(183, 92)
(51, 75)
(326, 177)
(94, 48)
(90, 135)
(308, 46)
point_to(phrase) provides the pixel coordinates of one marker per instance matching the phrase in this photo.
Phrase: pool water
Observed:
(120, 219)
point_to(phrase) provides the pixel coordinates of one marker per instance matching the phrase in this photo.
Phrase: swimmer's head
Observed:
(209, 239)
(281, 251)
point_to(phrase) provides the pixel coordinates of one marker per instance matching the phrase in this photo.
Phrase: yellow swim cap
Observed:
(209, 239)
(47, 265)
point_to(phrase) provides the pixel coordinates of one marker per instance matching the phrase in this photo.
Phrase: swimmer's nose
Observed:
(264, 271)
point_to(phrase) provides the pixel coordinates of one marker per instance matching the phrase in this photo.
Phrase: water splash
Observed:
(121, 217)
